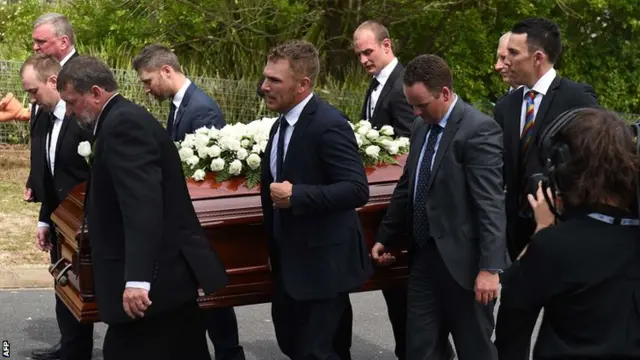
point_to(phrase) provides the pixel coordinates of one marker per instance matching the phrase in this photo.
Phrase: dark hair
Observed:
(43, 65)
(154, 56)
(431, 70)
(379, 31)
(302, 56)
(542, 34)
(603, 165)
(83, 72)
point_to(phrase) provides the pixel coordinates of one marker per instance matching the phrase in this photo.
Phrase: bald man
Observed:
(500, 67)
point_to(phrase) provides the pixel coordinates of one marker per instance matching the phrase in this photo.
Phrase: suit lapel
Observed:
(297, 137)
(416, 148)
(105, 112)
(183, 104)
(386, 89)
(447, 136)
(266, 157)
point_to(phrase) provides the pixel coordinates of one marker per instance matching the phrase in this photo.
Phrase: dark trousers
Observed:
(175, 334)
(306, 330)
(222, 327)
(514, 327)
(438, 306)
(76, 339)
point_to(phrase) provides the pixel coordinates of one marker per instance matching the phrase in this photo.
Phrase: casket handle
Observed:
(54, 266)
(62, 278)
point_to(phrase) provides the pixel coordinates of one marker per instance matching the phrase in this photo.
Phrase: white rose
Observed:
(363, 130)
(189, 140)
(235, 168)
(214, 151)
(364, 124)
(253, 161)
(256, 149)
(245, 143)
(198, 175)
(242, 154)
(373, 151)
(214, 133)
(386, 143)
(185, 153)
(372, 134)
(202, 140)
(393, 149)
(387, 130)
(403, 141)
(203, 130)
(217, 164)
(193, 161)
(203, 152)
(84, 149)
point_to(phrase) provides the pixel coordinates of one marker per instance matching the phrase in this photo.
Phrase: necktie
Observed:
(280, 159)
(420, 219)
(172, 115)
(527, 130)
(49, 142)
(366, 109)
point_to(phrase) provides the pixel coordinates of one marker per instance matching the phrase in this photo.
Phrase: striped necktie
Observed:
(527, 130)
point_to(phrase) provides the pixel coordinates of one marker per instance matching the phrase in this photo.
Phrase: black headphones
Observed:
(554, 151)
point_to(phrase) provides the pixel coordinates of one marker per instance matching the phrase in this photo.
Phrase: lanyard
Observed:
(611, 220)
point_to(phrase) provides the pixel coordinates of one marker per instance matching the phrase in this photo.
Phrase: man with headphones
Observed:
(583, 212)
(533, 47)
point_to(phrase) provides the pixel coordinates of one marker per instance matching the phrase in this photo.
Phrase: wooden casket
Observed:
(231, 216)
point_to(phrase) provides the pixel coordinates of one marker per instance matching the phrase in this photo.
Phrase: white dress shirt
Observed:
(52, 142)
(292, 118)
(177, 99)
(382, 78)
(541, 87)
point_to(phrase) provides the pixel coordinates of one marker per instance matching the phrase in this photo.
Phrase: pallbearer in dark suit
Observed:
(55, 170)
(191, 109)
(534, 46)
(384, 104)
(148, 249)
(162, 77)
(312, 182)
(52, 35)
(450, 199)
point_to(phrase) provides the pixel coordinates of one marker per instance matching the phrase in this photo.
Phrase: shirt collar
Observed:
(66, 58)
(384, 74)
(60, 110)
(294, 114)
(543, 84)
(177, 98)
(95, 127)
(443, 122)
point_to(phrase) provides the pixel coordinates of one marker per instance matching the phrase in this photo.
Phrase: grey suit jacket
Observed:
(465, 199)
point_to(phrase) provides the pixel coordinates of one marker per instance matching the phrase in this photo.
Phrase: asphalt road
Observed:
(27, 321)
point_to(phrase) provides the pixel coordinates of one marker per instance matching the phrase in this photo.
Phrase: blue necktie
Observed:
(170, 120)
(420, 219)
(280, 149)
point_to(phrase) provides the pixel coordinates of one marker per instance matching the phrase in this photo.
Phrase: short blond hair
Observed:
(43, 65)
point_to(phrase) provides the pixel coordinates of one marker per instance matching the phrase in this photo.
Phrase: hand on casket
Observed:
(11, 109)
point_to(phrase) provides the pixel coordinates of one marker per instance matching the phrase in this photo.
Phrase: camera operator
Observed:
(583, 262)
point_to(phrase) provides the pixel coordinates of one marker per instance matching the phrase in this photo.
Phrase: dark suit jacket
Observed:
(392, 107)
(35, 117)
(196, 110)
(322, 251)
(143, 226)
(70, 168)
(563, 94)
(586, 275)
(465, 201)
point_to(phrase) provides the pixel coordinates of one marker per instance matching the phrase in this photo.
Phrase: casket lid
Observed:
(236, 187)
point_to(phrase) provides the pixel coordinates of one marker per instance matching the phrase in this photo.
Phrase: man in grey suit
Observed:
(450, 200)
